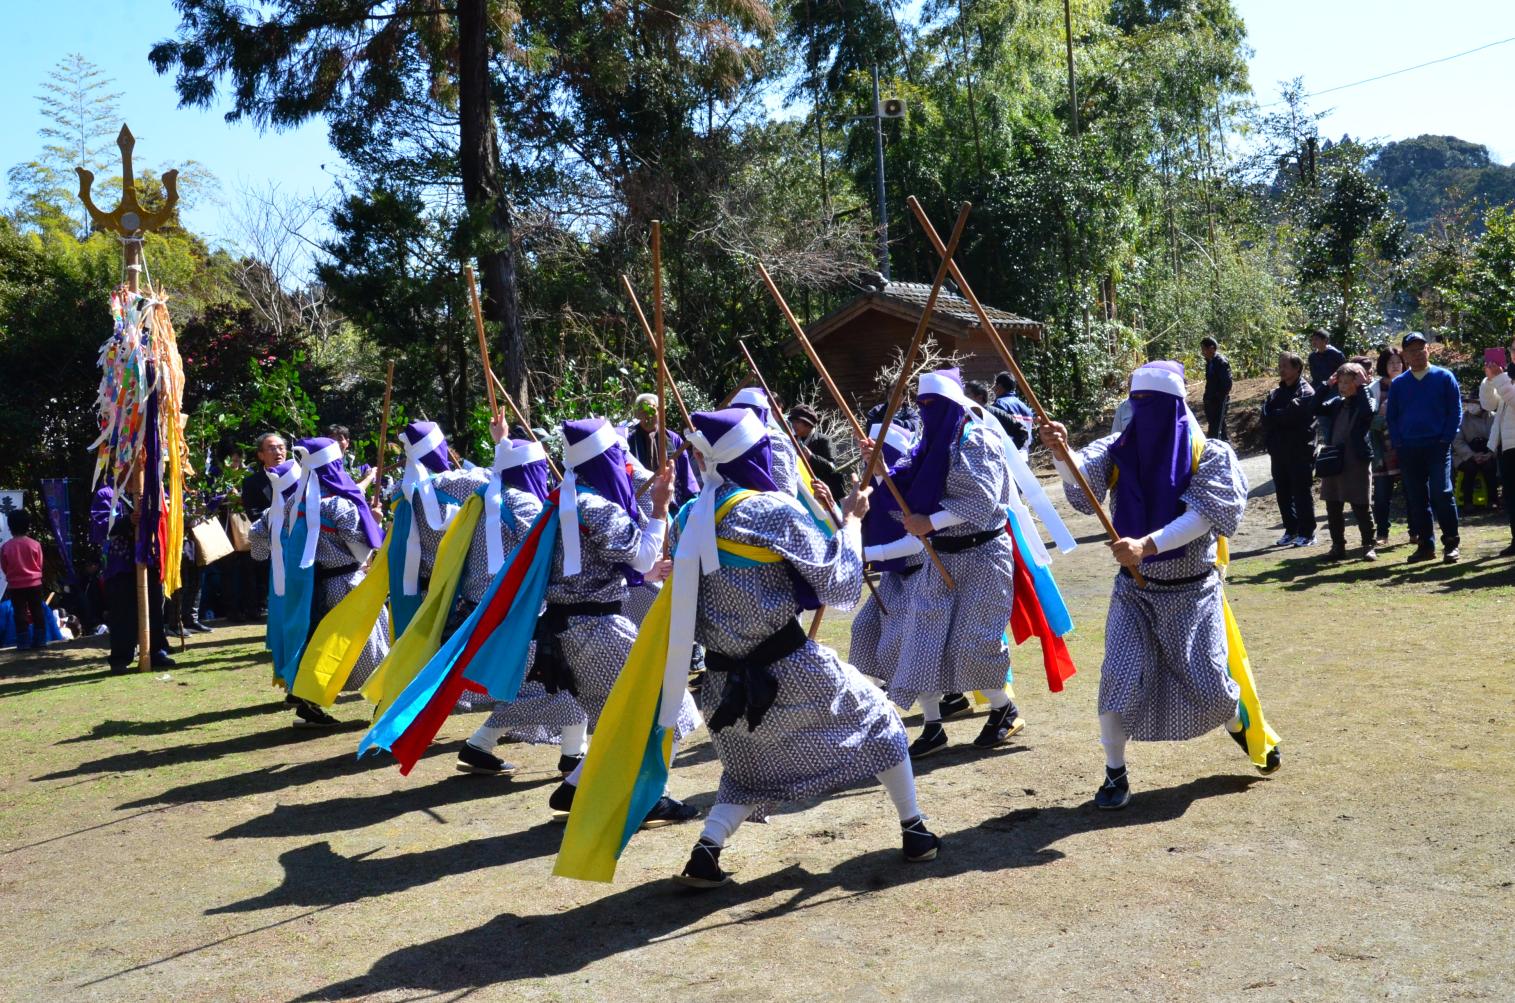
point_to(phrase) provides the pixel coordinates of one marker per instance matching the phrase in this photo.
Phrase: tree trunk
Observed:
(490, 231)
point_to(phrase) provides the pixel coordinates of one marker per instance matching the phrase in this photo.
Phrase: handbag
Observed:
(239, 528)
(1330, 461)
(211, 542)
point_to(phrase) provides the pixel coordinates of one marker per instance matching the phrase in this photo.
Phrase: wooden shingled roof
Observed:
(952, 314)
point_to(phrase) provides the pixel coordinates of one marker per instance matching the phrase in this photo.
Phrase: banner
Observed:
(55, 499)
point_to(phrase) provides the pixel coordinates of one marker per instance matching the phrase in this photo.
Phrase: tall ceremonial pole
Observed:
(378, 470)
(858, 432)
(131, 223)
(657, 329)
(652, 341)
(1020, 378)
(491, 381)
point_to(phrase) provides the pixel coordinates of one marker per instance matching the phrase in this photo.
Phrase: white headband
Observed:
(751, 395)
(575, 454)
(943, 386)
(507, 456)
(899, 437)
(1163, 381)
(287, 479)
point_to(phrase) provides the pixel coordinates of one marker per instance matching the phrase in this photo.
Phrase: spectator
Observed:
(1325, 359)
(641, 435)
(1497, 394)
(905, 416)
(21, 564)
(1217, 389)
(1471, 455)
(257, 496)
(979, 394)
(1424, 417)
(818, 449)
(1288, 419)
(362, 473)
(1385, 460)
(1346, 415)
(1007, 399)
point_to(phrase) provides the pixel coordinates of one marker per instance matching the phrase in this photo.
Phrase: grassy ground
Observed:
(169, 836)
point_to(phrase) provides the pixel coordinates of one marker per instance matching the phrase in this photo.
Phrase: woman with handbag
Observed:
(1345, 461)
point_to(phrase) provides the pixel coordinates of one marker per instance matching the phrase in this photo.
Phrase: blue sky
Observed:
(1328, 42)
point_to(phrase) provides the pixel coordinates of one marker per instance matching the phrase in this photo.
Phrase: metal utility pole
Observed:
(878, 163)
(1072, 85)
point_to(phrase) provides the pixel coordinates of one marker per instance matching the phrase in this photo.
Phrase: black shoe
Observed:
(704, 867)
(1003, 725)
(1422, 553)
(955, 705)
(198, 627)
(921, 844)
(1115, 792)
(472, 759)
(308, 715)
(1338, 552)
(122, 670)
(567, 764)
(561, 801)
(669, 811)
(1274, 760)
(1508, 551)
(932, 737)
(1451, 555)
(161, 660)
(175, 630)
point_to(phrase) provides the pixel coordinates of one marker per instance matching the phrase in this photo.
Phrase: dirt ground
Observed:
(169, 837)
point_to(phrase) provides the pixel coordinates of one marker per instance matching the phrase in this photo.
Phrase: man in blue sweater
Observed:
(1423, 421)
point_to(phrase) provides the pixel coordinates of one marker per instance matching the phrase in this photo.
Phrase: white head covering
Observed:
(506, 456)
(276, 513)
(575, 453)
(698, 555)
(310, 488)
(417, 483)
(900, 437)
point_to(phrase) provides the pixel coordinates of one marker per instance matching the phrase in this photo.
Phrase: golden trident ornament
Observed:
(128, 219)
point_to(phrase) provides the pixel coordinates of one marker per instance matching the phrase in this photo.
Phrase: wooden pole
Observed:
(897, 394)
(1020, 378)
(478, 324)
(661, 451)
(378, 470)
(652, 340)
(510, 401)
(858, 431)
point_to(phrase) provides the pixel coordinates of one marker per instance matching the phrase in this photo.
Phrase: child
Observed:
(21, 563)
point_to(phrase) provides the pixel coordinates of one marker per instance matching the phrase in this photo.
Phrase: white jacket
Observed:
(1498, 395)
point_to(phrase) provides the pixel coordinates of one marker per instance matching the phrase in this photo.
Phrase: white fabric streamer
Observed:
(276, 512)
(310, 488)
(698, 555)
(575, 454)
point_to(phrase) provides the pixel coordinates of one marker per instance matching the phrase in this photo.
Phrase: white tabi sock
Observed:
(997, 698)
(1234, 725)
(486, 738)
(576, 739)
(899, 781)
(1112, 735)
(572, 780)
(931, 707)
(723, 820)
(673, 751)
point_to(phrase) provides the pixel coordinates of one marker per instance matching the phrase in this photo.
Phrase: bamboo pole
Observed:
(378, 470)
(652, 340)
(661, 450)
(478, 325)
(1020, 378)
(897, 394)
(858, 432)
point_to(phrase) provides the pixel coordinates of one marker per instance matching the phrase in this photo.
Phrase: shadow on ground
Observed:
(510, 947)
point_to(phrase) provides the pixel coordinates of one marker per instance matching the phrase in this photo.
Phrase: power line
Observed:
(1407, 69)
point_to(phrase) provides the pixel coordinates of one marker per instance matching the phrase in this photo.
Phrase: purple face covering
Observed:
(879, 525)
(335, 483)
(922, 476)
(605, 474)
(278, 471)
(530, 477)
(436, 460)
(1155, 459)
(753, 470)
